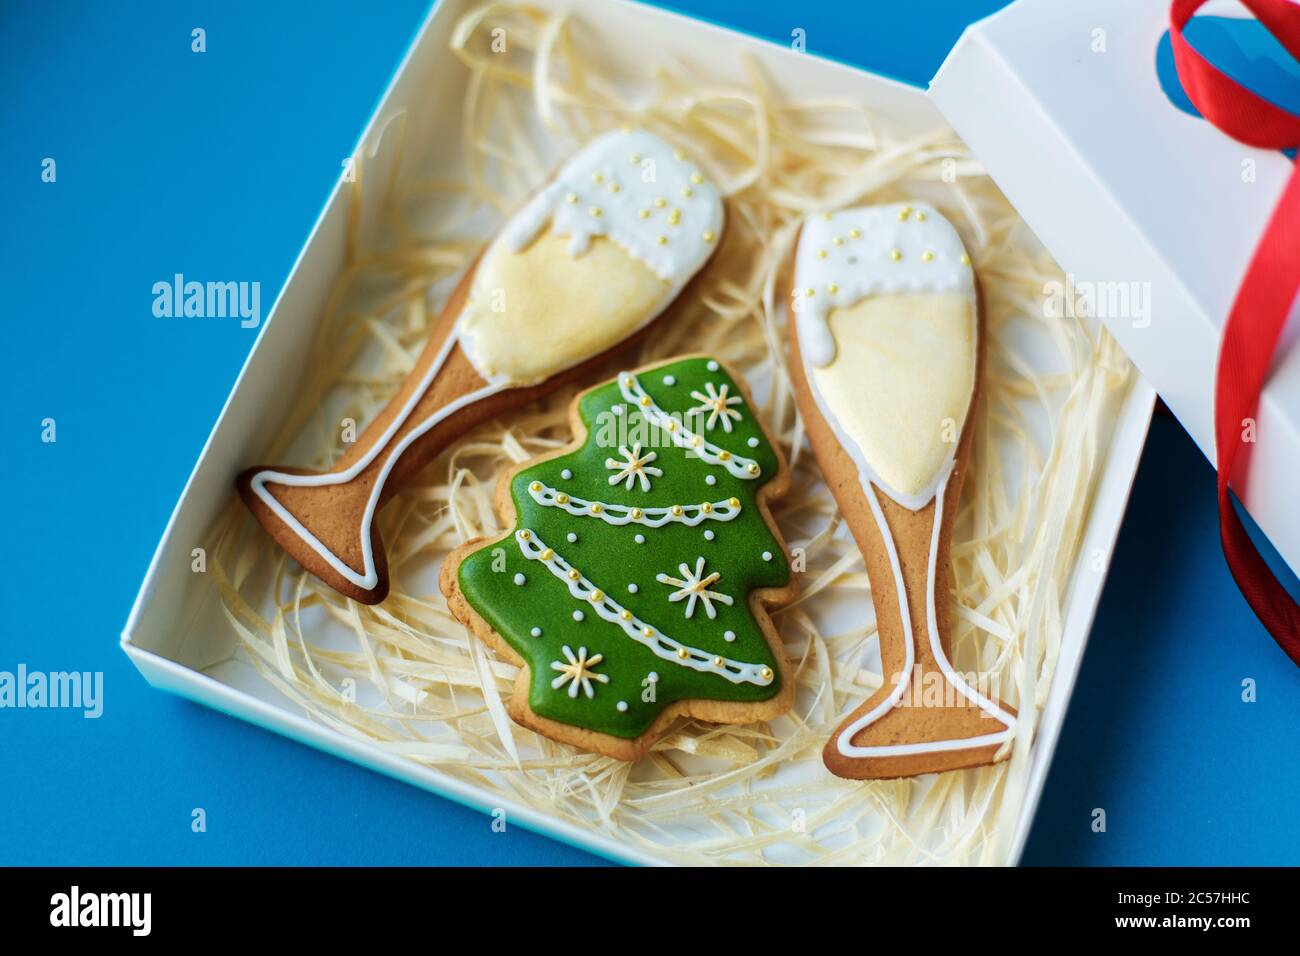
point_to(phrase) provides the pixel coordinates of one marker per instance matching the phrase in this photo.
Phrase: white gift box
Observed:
(1135, 197)
(176, 628)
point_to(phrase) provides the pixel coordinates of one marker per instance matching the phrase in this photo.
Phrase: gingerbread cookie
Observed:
(633, 582)
(885, 343)
(582, 270)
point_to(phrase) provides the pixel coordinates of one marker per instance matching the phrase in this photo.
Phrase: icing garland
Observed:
(689, 515)
(663, 646)
(683, 437)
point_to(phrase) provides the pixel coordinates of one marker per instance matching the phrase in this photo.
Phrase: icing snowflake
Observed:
(694, 586)
(632, 467)
(578, 672)
(717, 404)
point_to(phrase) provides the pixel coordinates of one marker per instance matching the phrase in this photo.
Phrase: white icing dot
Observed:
(753, 443)
(652, 677)
(617, 409)
(639, 539)
(710, 480)
(670, 380)
(566, 474)
(712, 366)
(767, 555)
(571, 537)
(622, 706)
(536, 632)
(578, 615)
(729, 636)
(632, 589)
(708, 536)
(520, 579)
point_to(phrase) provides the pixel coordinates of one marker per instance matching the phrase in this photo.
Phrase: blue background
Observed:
(216, 165)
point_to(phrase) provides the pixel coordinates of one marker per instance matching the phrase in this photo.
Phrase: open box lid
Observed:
(1152, 211)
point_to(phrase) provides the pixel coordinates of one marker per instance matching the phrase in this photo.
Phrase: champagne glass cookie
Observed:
(886, 350)
(579, 272)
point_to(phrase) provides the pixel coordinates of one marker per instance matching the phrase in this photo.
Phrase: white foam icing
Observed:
(863, 263)
(652, 201)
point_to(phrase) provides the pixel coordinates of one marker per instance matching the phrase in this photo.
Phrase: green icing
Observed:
(610, 558)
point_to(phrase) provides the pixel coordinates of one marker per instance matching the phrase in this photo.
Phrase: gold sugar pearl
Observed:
(570, 197)
(562, 499)
(614, 187)
(718, 662)
(674, 217)
(645, 400)
(708, 236)
(855, 233)
(670, 425)
(688, 192)
(643, 213)
(706, 508)
(660, 202)
(822, 253)
(625, 614)
(648, 631)
(765, 673)
(628, 382)
(535, 486)
(548, 554)
(904, 213)
(752, 468)
(810, 292)
(597, 178)
(573, 574)
(596, 508)
(927, 256)
(697, 178)
(920, 217)
(595, 211)
(683, 653)
(525, 534)
(832, 288)
(635, 159)
(597, 596)
(838, 240)
(826, 216)
(734, 502)
(677, 511)
(724, 455)
(636, 514)
(895, 254)
(965, 259)
(662, 240)
(678, 155)
(697, 441)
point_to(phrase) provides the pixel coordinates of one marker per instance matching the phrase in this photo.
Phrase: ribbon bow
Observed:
(1263, 300)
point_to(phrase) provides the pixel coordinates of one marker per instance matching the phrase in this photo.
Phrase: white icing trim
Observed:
(691, 515)
(683, 437)
(843, 742)
(661, 645)
(369, 577)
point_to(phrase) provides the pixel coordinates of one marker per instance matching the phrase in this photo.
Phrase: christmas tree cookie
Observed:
(633, 582)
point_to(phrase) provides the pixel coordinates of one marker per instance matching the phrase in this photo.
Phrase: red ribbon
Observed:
(1264, 298)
